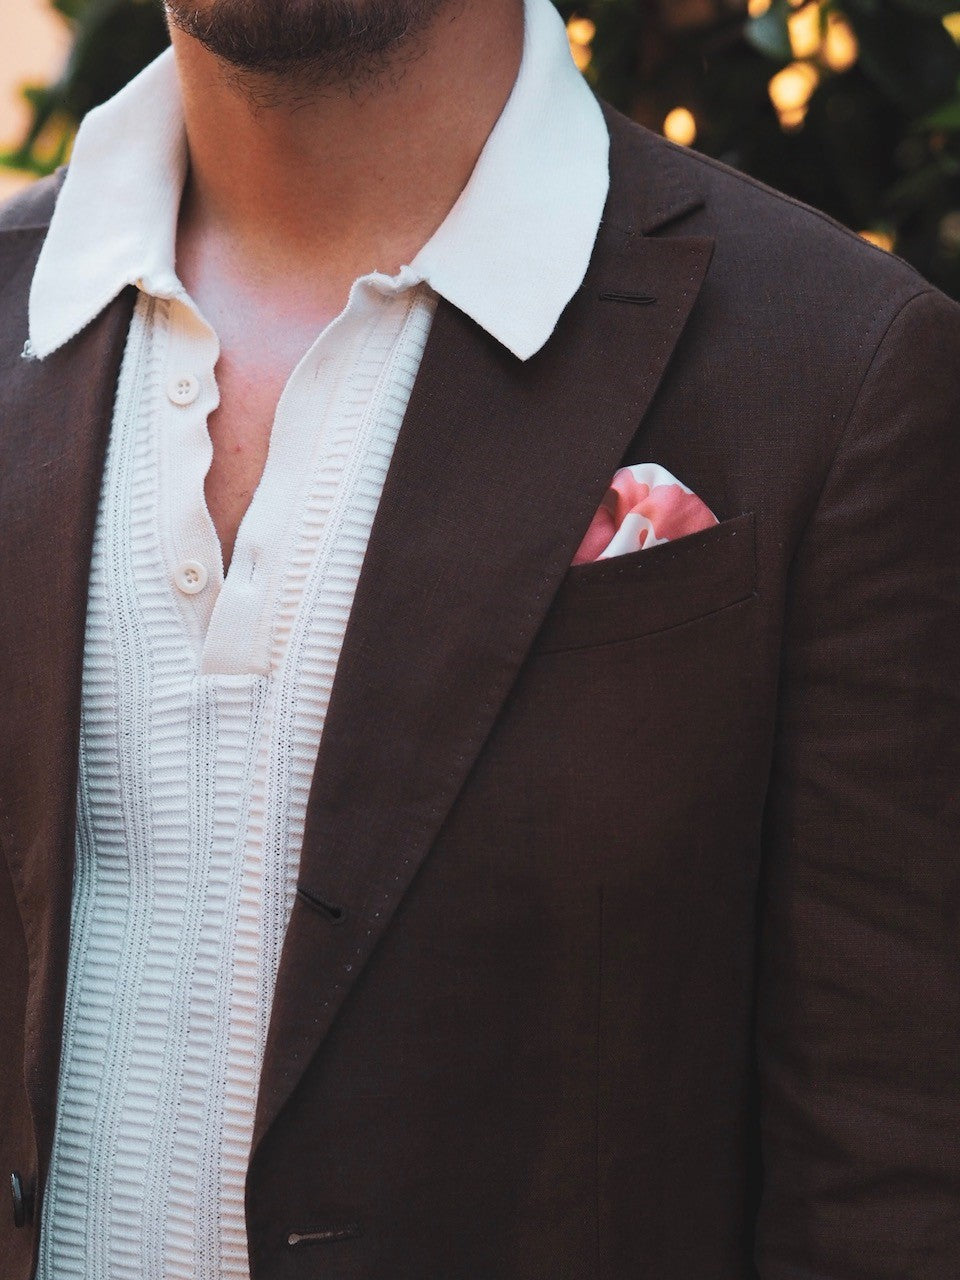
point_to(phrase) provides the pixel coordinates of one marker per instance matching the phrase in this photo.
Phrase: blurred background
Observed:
(852, 107)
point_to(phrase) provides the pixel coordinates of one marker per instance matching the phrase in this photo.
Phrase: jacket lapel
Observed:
(54, 421)
(497, 472)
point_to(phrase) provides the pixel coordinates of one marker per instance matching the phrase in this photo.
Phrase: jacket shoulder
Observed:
(760, 231)
(32, 209)
(768, 219)
(24, 221)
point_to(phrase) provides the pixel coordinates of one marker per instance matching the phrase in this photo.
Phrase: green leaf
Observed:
(932, 8)
(917, 191)
(769, 33)
(909, 57)
(946, 117)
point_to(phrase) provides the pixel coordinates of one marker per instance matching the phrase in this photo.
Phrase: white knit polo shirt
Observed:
(204, 696)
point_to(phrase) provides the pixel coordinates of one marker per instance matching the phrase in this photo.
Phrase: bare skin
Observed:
(291, 197)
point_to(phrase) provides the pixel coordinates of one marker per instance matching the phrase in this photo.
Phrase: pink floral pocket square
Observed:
(644, 506)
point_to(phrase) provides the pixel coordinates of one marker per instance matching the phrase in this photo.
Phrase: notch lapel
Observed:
(54, 422)
(499, 467)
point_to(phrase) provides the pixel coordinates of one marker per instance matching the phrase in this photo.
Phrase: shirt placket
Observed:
(239, 634)
(229, 617)
(187, 395)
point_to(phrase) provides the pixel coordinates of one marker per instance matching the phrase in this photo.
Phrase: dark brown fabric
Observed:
(626, 940)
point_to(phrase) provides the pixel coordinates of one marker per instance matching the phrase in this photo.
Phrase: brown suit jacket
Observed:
(625, 946)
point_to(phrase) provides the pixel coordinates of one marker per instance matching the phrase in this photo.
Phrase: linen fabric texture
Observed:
(625, 937)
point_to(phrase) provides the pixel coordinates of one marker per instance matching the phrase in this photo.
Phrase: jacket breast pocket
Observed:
(648, 591)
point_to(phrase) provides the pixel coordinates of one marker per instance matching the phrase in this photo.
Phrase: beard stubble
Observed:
(311, 44)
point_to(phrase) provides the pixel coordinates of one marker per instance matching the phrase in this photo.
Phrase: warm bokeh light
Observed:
(681, 127)
(757, 8)
(580, 32)
(791, 121)
(790, 92)
(952, 23)
(882, 239)
(840, 47)
(805, 32)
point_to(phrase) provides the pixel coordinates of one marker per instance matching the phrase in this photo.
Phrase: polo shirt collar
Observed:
(511, 253)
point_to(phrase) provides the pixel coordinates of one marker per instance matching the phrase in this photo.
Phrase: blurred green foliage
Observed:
(112, 41)
(877, 143)
(879, 146)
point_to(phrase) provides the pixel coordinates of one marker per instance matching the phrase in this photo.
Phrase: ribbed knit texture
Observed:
(201, 720)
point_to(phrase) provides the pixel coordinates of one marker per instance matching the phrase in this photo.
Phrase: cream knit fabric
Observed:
(196, 758)
(203, 697)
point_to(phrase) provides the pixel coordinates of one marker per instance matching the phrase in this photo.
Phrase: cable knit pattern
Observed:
(201, 718)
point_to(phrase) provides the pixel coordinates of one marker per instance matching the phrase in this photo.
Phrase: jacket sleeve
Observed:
(858, 1032)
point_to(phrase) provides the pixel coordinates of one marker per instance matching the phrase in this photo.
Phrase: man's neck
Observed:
(333, 185)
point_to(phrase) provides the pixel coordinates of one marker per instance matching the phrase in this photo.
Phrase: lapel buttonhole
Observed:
(638, 299)
(335, 914)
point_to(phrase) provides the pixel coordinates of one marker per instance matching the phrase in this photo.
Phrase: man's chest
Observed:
(240, 429)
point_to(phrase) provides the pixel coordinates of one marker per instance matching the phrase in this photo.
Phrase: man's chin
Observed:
(308, 41)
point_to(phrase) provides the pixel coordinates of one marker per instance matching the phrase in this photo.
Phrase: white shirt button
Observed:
(191, 577)
(183, 389)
